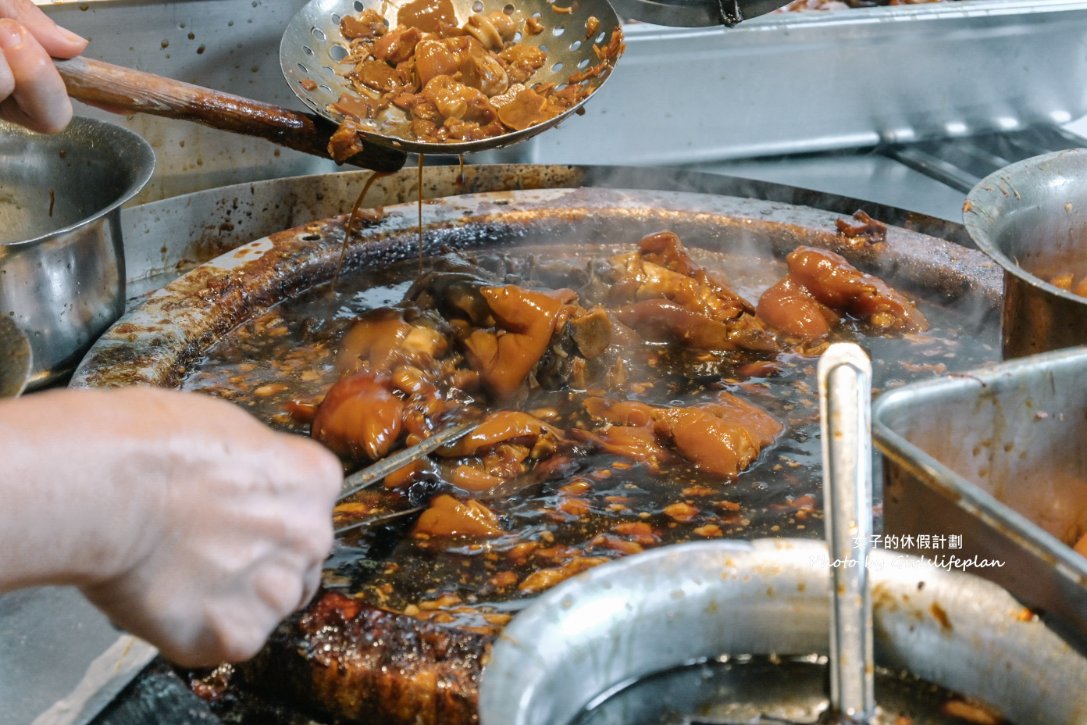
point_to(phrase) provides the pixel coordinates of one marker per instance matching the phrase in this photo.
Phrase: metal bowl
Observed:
(655, 611)
(1031, 219)
(62, 275)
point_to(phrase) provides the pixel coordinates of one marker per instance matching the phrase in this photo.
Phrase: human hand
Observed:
(184, 519)
(32, 93)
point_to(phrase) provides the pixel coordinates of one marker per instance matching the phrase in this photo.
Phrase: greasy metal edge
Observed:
(712, 581)
(83, 130)
(883, 15)
(987, 200)
(166, 238)
(106, 676)
(154, 343)
(959, 491)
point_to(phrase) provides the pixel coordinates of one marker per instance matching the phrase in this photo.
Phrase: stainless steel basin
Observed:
(655, 611)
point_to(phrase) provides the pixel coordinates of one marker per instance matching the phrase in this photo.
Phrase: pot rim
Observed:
(121, 141)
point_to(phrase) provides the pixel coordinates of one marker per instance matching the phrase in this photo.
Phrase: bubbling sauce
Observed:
(598, 505)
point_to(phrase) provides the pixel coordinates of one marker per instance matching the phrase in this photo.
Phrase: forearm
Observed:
(70, 510)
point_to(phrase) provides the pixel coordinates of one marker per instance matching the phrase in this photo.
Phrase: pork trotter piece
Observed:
(721, 438)
(360, 418)
(357, 663)
(838, 284)
(664, 295)
(525, 320)
(792, 309)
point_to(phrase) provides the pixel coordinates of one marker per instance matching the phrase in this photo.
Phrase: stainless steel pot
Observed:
(661, 609)
(1031, 219)
(62, 276)
(15, 358)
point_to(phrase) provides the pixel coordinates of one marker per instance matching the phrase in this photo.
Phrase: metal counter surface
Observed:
(60, 659)
(783, 83)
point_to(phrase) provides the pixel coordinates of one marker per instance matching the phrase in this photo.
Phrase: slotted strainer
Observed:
(313, 50)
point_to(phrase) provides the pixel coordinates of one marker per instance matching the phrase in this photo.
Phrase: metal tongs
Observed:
(845, 396)
(375, 472)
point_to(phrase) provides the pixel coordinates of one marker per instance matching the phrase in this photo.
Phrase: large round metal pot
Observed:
(661, 609)
(62, 274)
(1031, 219)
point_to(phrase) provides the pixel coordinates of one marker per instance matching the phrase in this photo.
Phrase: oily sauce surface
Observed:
(602, 506)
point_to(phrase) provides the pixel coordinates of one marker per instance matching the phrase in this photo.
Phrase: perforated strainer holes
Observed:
(337, 52)
(583, 64)
(575, 46)
(307, 50)
(311, 238)
(556, 68)
(558, 30)
(509, 9)
(477, 7)
(318, 33)
(359, 6)
(600, 37)
(517, 37)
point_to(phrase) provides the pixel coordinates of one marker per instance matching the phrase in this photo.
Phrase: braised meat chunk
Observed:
(720, 438)
(665, 296)
(821, 286)
(524, 324)
(790, 308)
(839, 285)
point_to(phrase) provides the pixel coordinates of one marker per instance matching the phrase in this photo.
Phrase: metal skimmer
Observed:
(313, 48)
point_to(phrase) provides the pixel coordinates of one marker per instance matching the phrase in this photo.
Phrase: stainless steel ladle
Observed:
(845, 393)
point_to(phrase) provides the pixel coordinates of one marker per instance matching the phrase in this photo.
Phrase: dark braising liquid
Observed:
(419, 205)
(287, 354)
(764, 691)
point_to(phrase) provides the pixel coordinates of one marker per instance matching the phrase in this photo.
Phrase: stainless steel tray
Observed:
(811, 81)
(993, 465)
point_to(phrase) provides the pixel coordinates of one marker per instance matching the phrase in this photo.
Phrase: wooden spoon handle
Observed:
(125, 89)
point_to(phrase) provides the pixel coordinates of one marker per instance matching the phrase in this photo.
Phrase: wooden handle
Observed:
(117, 87)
